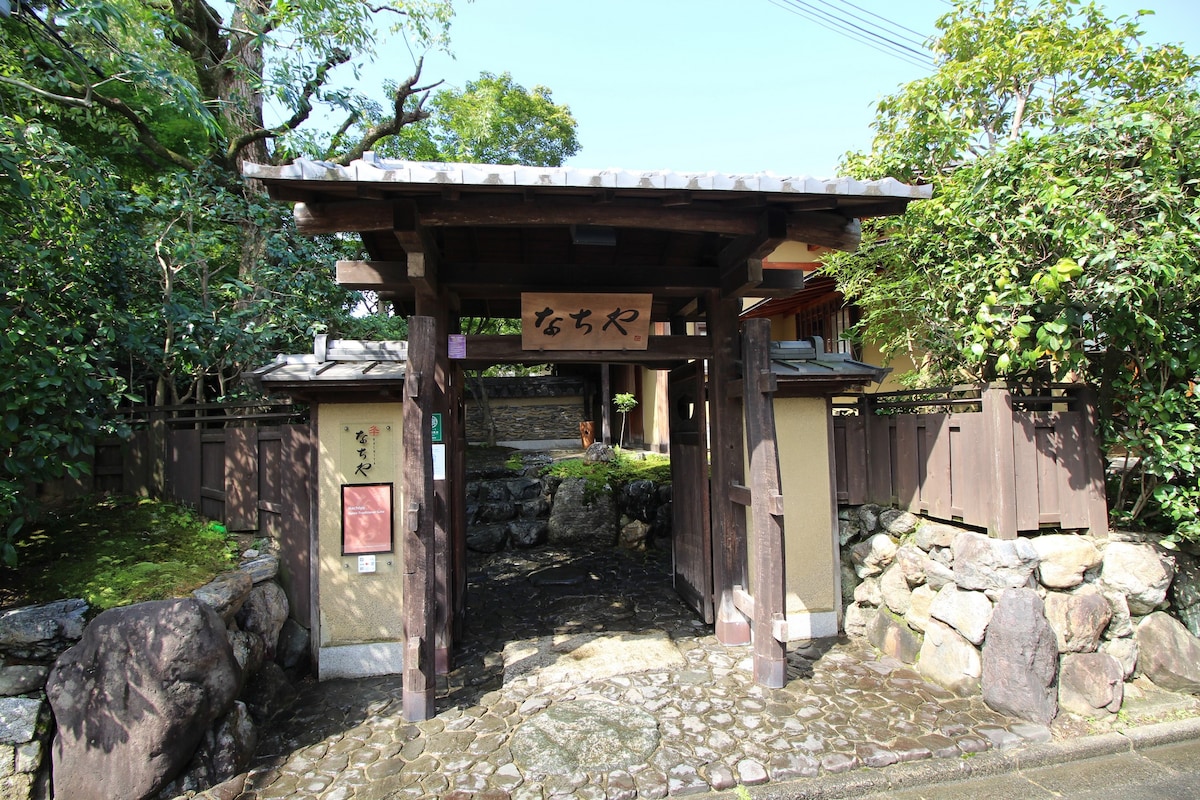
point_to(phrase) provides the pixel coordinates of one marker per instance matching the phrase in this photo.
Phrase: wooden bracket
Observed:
(739, 494)
(414, 517)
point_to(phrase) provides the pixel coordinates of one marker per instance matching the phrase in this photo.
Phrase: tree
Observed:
(1061, 239)
(65, 236)
(625, 402)
(1009, 67)
(494, 120)
(180, 89)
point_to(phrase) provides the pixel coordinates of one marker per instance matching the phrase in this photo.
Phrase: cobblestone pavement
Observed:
(844, 706)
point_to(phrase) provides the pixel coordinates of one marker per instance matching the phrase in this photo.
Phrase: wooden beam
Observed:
(422, 253)
(561, 211)
(659, 349)
(352, 215)
(741, 261)
(826, 229)
(771, 232)
(374, 275)
(511, 279)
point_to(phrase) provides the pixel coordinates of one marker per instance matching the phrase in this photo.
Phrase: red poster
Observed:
(367, 518)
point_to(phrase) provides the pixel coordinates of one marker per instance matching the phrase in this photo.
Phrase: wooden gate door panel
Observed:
(691, 535)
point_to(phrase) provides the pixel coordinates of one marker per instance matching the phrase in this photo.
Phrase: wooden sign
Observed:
(366, 518)
(585, 321)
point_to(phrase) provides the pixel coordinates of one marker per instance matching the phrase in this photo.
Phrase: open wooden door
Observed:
(691, 536)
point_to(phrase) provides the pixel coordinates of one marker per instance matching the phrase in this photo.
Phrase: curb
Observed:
(917, 774)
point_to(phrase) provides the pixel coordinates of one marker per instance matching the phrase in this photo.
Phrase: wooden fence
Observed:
(248, 467)
(985, 457)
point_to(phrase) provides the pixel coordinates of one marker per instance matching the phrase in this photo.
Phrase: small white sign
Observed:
(366, 563)
(439, 462)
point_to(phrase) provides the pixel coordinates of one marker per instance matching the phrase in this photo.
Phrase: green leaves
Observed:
(1069, 250)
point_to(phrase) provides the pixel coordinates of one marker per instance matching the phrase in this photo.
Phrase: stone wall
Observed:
(527, 419)
(521, 508)
(1036, 625)
(205, 672)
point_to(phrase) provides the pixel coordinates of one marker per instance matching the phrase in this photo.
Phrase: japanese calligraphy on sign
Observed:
(585, 321)
(366, 452)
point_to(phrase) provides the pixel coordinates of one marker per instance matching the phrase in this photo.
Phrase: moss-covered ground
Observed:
(113, 551)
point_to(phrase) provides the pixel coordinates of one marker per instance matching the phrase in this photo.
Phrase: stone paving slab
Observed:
(844, 708)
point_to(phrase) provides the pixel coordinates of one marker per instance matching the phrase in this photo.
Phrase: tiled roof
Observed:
(371, 169)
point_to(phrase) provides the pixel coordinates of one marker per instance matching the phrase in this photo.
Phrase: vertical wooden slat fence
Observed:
(248, 467)
(983, 456)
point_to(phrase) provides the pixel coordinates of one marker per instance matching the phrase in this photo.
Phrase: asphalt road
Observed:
(1169, 772)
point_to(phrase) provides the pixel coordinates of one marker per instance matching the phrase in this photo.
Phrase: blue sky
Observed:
(729, 86)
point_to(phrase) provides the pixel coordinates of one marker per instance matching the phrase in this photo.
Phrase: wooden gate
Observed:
(690, 538)
(255, 480)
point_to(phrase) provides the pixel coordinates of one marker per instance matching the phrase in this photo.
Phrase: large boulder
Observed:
(967, 612)
(1185, 592)
(894, 591)
(984, 563)
(1168, 654)
(894, 638)
(935, 534)
(1139, 572)
(134, 697)
(1064, 558)
(872, 556)
(949, 660)
(918, 615)
(1078, 619)
(226, 593)
(40, 633)
(1090, 683)
(225, 750)
(1020, 659)
(582, 516)
(263, 613)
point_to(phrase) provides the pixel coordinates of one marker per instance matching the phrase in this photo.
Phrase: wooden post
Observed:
(997, 409)
(727, 457)
(606, 403)
(1093, 460)
(767, 579)
(417, 536)
(436, 308)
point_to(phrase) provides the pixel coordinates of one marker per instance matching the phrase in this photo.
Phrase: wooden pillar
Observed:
(767, 579)
(1093, 460)
(727, 457)
(436, 308)
(996, 402)
(606, 403)
(417, 536)
(456, 432)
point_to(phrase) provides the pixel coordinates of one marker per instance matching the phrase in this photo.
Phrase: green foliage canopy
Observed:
(1064, 246)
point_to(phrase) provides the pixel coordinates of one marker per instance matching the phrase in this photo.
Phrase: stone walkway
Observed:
(552, 697)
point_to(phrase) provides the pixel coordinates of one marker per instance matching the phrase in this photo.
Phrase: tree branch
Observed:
(303, 110)
(145, 136)
(61, 99)
(401, 117)
(338, 135)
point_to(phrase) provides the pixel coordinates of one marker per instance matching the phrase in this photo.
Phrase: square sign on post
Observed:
(585, 321)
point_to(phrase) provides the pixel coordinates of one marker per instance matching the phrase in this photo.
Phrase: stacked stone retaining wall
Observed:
(152, 699)
(1037, 625)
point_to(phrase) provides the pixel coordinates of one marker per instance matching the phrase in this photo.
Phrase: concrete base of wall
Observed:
(360, 660)
(806, 625)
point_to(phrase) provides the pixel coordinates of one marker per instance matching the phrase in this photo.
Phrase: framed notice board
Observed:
(367, 519)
